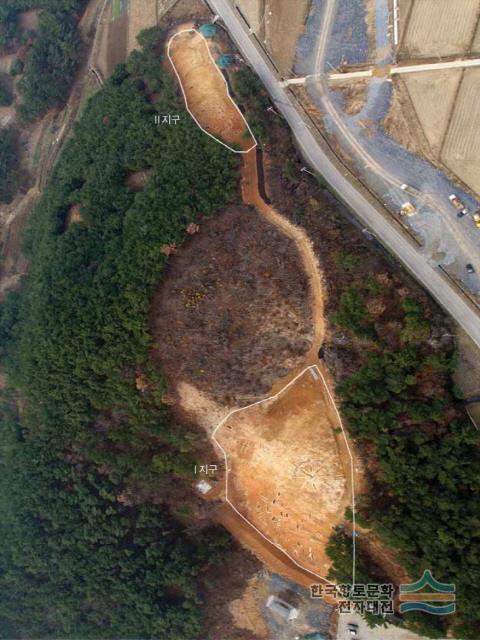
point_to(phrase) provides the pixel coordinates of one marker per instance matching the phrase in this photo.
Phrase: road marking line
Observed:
(192, 30)
(352, 470)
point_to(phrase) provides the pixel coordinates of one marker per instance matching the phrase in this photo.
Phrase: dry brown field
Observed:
(283, 29)
(476, 41)
(440, 28)
(142, 14)
(252, 11)
(289, 469)
(433, 96)
(461, 150)
(404, 7)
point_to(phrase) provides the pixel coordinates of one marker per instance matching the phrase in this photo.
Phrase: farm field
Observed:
(404, 8)
(433, 95)
(283, 29)
(280, 23)
(462, 143)
(119, 8)
(112, 46)
(476, 41)
(432, 113)
(439, 27)
(142, 14)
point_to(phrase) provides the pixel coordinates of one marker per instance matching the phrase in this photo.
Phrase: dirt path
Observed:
(251, 195)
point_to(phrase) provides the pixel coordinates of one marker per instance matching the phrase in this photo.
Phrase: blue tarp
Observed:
(208, 30)
(225, 61)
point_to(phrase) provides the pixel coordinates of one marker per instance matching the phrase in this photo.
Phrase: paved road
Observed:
(428, 275)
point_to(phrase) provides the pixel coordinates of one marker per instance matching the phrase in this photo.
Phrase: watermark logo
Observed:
(439, 600)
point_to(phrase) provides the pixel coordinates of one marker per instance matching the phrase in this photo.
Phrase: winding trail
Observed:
(251, 195)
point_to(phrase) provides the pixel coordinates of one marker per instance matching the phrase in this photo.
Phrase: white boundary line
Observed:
(352, 469)
(192, 30)
(396, 20)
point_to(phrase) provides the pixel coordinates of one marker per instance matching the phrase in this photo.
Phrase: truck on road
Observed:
(408, 209)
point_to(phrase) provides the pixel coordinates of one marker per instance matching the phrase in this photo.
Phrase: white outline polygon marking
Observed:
(352, 471)
(226, 86)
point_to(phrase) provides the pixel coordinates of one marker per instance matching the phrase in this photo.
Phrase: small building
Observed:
(282, 608)
(204, 487)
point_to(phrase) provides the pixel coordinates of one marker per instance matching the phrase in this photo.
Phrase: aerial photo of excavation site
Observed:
(240, 319)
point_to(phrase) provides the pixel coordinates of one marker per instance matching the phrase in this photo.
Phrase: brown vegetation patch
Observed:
(234, 596)
(233, 313)
(354, 95)
(29, 19)
(74, 215)
(247, 610)
(402, 124)
(137, 180)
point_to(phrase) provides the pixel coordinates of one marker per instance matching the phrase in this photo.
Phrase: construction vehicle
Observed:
(457, 203)
(408, 209)
(476, 219)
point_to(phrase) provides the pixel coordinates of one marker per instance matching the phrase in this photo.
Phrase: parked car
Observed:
(352, 628)
(462, 213)
(470, 268)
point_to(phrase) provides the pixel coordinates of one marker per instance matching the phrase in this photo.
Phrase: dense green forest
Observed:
(86, 551)
(9, 169)
(53, 52)
(425, 496)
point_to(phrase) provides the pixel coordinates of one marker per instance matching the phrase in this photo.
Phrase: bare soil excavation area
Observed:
(205, 89)
(285, 468)
(237, 319)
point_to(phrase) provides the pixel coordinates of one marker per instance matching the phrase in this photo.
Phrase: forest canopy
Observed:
(53, 55)
(9, 167)
(84, 549)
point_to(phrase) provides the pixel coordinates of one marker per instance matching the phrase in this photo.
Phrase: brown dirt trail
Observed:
(251, 195)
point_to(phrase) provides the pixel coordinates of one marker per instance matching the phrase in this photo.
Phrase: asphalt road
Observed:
(448, 296)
